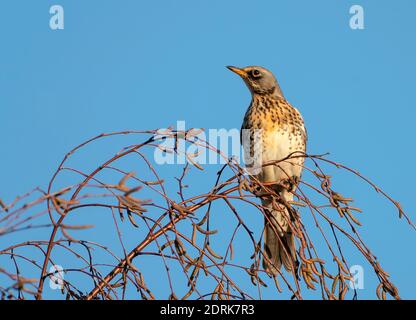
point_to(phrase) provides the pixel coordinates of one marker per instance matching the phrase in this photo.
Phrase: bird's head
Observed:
(258, 79)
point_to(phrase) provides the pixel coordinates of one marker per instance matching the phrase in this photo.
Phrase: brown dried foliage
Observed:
(191, 249)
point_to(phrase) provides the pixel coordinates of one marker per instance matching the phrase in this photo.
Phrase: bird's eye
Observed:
(255, 73)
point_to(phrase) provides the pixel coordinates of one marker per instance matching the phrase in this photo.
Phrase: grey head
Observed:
(259, 80)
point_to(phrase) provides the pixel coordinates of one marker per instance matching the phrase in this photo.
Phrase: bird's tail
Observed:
(279, 242)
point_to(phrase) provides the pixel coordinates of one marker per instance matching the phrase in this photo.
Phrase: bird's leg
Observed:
(292, 183)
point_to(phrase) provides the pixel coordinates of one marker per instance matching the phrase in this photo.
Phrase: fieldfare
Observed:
(281, 143)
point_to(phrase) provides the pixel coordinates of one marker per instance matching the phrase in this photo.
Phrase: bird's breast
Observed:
(279, 128)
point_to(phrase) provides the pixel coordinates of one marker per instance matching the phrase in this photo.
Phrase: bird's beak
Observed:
(238, 71)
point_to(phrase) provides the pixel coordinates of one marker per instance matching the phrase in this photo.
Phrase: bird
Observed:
(281, 140)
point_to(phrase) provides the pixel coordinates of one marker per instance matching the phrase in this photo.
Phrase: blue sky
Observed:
(133, 65)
